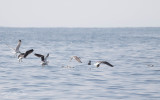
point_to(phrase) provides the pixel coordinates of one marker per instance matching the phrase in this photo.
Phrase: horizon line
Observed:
(80, 27)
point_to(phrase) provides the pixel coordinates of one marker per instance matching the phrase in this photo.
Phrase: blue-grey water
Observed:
(134, 52)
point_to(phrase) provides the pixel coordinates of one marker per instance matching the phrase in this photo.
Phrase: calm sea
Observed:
(134, 52)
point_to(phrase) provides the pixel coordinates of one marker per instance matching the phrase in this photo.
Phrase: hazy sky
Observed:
(80, 13)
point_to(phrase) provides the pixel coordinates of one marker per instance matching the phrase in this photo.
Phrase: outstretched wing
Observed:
(46, 57)
(28, 52)
(78, 59)
(19, 44)
(107, 63)
(39, 55)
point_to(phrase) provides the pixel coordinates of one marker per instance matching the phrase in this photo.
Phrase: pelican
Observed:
(97, 64)
(16, 50)
(24, 55)
(76, 58)
(43, 59)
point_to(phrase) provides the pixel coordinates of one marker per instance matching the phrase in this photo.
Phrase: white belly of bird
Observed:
(96, 63)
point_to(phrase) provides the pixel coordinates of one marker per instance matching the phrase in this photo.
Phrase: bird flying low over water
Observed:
(76, 58)
(16, 50)
(97, 64)
(24, 55)
(43, 59)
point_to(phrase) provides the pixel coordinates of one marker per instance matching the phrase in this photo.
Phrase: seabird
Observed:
(24, 55)
(16, 50)
(43, 59)
(89, 63)
(97, 64)
(76, 58)
(150, 65)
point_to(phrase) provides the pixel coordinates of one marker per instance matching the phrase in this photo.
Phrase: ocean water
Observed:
(134, 52)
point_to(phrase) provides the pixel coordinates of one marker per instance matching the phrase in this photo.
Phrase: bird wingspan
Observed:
(39, 55)
(28, 52)
(46, 57)
(107, 63)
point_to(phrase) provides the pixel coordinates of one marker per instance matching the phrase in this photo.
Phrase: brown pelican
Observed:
(43, 59)
(24, 55)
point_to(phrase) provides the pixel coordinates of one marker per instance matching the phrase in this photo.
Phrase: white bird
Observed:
(16, 50)
(76, 58)
(43, 59)
(97, 64)
(24, 55)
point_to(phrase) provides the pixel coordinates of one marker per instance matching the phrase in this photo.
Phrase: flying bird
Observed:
(16, 50)
(97, 64)
(43, 59)
(76, 58)
(24, 55)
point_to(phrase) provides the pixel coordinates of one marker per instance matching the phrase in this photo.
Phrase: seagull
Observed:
(24, 55)
(76, 58)
(150, 65)
(97, 64)
(44, 60)
(16, 50)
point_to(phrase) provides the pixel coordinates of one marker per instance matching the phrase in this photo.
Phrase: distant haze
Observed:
(80, 13)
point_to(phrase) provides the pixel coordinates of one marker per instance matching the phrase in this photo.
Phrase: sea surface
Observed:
(134, 52)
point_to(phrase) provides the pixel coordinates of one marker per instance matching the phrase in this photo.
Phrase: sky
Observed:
(80, 13)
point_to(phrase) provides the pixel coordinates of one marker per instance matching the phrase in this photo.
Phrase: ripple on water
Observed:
(130, 50)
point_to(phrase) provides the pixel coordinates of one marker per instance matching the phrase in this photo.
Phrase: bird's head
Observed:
(89, 63)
